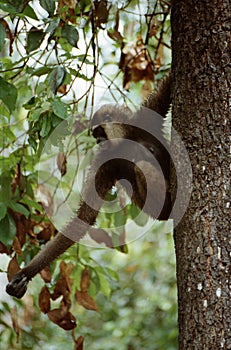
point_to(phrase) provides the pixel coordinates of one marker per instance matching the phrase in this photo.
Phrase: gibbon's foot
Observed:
(17, 286)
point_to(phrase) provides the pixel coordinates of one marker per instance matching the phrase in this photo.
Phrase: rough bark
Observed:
(201, 114)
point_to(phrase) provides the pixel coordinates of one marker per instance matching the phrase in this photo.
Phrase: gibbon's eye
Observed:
(108, 118)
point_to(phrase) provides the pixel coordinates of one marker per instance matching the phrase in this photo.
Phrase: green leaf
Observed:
(56, 121)
(29, 189)
(6, 306)
(120, 219)
(18, 208)
(7, 230)
(48, 5)
(141, 219)
(56, 78)
(59, 108)
(29, 104)
(29, 12)
(18, 4)
(2, 36)
(32, 204)
(104, 285)
(8, 94)
(34, 39)
(6, 136)
(76, 275)
(113, 274)
(84, 77)
(86, 160)
(53, 25)
(32, 142)
(46, 124)
(93, 289)
(3, 210)
(8, 8)
(83, 58)
(35, 114)
(137, 215)
(5, 182)
(71, 34)
(41, 71)
(123, 249)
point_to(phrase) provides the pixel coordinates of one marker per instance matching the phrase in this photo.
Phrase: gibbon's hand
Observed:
(18, 285)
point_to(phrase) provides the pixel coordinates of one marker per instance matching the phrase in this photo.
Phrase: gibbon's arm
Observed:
(76, 228)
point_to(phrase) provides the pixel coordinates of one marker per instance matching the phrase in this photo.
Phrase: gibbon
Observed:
(133, 152)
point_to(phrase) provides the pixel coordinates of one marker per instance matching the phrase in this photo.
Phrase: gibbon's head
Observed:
(109, 122)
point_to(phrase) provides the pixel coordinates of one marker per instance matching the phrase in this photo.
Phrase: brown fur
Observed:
(141, 166)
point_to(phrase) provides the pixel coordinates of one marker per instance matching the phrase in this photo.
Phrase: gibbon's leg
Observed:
(160, 99)
(102, 180)
(149, 178)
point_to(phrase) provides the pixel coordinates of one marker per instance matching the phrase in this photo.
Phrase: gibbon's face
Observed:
(108, 122)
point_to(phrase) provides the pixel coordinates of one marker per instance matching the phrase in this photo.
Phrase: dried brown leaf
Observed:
(3, 249)
(86, 301)
(44, 300)
(153, 30)
(62, 163)
(44, 235)
(13, 268)
(64, 283)
(62, 318)
(70, 4)
(47, 232)
(79, 343)
(85, 280)
(115, 34)
(66, 269)
(101, 12)
(136, 63)
(61, 288)
(9, 35)
(23, 225)
(100, 236)
(62, 89)
(46, 274)
(17, 246)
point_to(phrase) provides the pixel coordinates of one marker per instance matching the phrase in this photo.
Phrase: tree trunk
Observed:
(201, 114)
